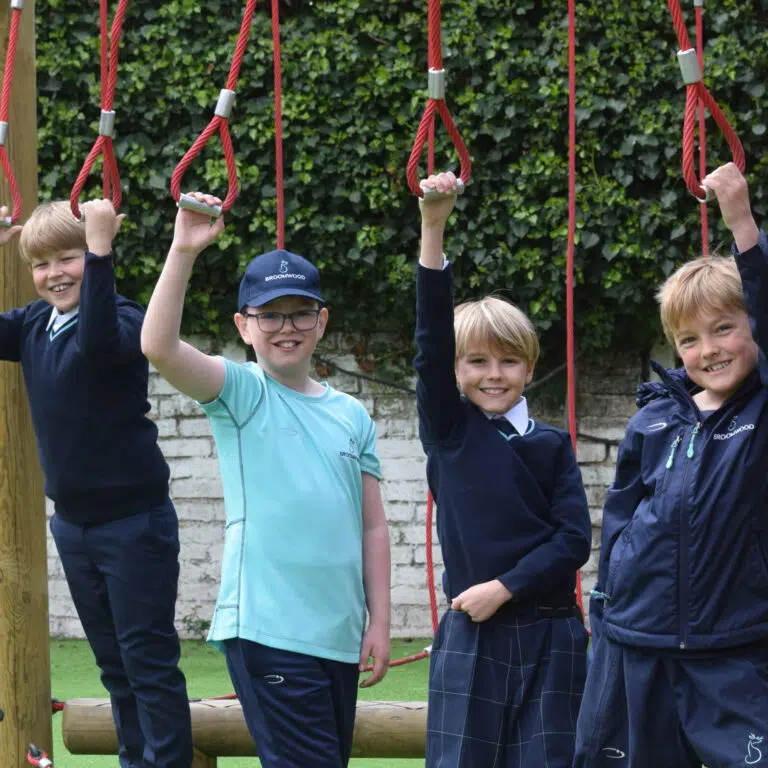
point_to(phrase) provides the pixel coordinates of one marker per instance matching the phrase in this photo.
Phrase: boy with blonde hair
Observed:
(306, 546)
(509, 658)
(679, 677)
(114, 525)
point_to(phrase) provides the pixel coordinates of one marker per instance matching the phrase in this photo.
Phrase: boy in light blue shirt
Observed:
(306, 548)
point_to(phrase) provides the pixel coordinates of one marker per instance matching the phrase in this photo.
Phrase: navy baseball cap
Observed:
(276, 274)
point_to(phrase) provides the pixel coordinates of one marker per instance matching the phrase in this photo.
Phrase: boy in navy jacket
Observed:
(508, 660)
(114, 525)
(680, 613)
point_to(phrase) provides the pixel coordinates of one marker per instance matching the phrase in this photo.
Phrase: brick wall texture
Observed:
(605, 402)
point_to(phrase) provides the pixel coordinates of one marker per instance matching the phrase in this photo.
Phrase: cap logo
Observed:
(283, 267)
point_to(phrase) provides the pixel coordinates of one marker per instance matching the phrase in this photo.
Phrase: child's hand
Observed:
(375, 646)
(732, 193)
(482, 601)
(7, 233)
(101, 225)
(194, 231)
(436, 210)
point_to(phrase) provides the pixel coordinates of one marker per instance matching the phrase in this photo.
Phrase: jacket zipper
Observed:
(683, 563)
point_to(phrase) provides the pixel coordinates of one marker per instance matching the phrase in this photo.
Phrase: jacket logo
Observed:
(283, 267)
(732, 432)
(754, 755)
(352, 452)
(732, 425)
(612, 753)
(657, 426)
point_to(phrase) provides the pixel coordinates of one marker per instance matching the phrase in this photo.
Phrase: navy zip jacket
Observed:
(87, 388)
(513, 510)
(684, 559)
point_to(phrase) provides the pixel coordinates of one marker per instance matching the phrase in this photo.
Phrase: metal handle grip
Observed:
(190, 203)
(431, 194)
(709, 194)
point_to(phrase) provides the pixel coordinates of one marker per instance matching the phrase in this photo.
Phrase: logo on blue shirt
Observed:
(352, 452)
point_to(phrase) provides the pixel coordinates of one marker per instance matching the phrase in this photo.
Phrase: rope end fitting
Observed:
(436, 84)
(709, 195)
(689, 66)
(17, 5)
(698, 3)
(6, 222)
(189, 203)
(107, 123)
(432, 194)
(225, 103)
(3, 133)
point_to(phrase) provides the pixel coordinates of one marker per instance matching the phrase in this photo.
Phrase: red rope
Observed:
(570, 344)
(278, 79)
(435, 106)
(702, 129)
(220, 123)
(697, 98)
(5, 101)
(110, 53)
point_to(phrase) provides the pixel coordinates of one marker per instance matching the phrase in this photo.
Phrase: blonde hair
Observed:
(497, 324)
(708, 284)
(51, 227)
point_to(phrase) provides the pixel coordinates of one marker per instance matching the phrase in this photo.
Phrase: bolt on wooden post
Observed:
(25, 688)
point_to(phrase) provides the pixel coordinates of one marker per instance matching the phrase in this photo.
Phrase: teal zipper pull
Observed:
(671, 459)
(689, 452)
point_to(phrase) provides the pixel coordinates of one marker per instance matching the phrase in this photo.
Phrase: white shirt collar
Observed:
(57, 319)
(517, 415)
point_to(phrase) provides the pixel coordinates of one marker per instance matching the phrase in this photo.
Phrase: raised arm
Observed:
(192, 372)
(750, 248)
(437, 394)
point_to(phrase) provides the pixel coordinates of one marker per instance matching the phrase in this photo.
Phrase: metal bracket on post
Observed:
(689, 66)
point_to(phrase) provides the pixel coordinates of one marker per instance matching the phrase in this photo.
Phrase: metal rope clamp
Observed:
(5, 221)
(187, 202)
(690, 69)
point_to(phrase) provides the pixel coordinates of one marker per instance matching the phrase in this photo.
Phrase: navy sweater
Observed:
(684, 557)
(514, 511)
(87, 388)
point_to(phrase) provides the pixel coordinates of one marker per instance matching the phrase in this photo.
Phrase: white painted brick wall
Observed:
(196, 489)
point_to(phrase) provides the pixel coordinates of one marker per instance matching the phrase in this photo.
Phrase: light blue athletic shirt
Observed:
(291, 467)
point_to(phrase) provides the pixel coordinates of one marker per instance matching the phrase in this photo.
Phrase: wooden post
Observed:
(25, 686)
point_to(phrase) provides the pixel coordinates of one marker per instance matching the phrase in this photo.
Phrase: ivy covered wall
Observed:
(354, 89)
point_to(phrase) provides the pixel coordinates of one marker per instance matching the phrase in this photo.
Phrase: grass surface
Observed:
(74, 675)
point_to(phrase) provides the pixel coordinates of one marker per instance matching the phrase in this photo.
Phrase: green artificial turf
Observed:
(74, 675)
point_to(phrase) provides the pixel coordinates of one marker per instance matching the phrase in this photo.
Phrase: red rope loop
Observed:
(220, 124)
(5, 101)
(110, 52)
(697, 95)
(426, 129)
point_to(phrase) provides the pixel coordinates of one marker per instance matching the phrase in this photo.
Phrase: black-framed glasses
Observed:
(272, 322)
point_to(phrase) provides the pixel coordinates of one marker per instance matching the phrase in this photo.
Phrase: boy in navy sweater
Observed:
(680, 613)
(509, 658)
(114, 525)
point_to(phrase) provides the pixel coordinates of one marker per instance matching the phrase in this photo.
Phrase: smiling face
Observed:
(718, 352)
(492, 379)
(58, 276)
(285, 354)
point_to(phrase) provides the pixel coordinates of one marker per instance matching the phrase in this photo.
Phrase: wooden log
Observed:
(25, 687)
(383, 728)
